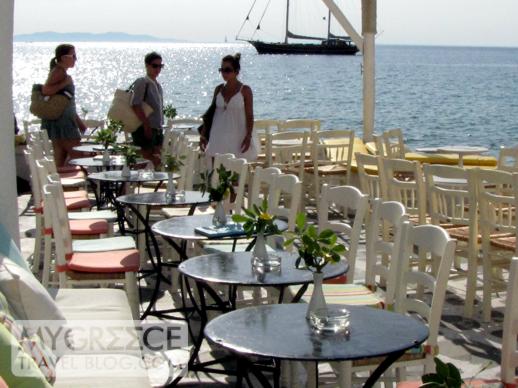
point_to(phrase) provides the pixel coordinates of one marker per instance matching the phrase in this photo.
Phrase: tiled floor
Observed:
(471, 345)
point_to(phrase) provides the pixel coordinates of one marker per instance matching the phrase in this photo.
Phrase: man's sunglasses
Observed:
(157, 66)
(226, 70)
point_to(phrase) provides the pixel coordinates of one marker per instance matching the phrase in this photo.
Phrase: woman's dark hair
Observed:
(149, 58)
(234, 60)
(62, 49)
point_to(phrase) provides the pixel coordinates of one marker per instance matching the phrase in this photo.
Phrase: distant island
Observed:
(51, 36)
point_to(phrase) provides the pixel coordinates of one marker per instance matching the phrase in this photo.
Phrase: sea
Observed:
(437, 95)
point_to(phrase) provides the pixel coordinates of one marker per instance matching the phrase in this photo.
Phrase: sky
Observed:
(419, 22)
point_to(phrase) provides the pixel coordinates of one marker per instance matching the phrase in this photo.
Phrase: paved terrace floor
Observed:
(468, 343)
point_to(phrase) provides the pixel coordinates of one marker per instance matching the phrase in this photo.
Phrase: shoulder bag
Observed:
(48, 107)
(208, 116)
(122, 110)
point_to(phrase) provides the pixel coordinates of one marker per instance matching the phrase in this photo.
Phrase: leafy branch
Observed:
(226, 181)
(173, 163)
(257, 220)
(129, 152)
(315, 249)
(169, 111)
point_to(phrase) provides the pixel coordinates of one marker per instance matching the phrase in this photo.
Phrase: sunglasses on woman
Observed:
(157, 66)
(226, 70)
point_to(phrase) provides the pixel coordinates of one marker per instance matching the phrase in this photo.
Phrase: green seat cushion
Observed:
(17, 368)
(352, 294)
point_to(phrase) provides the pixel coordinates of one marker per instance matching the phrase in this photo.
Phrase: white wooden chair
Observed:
(370, 175)
(263, 128)
(452, 193)
(91, 127)
(331, 155)
(289, 152)
(284, 198)
(433, 241)
(262, 181)
(239, 167)
(404, 183)
(394, 144)
(89, 265)
(308, 125)
(497, 195)
(194, 122)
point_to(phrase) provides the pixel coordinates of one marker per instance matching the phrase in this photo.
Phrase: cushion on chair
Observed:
(12, 359)
(105, 262)
(68, 169)
(479, 383)
(76, 194)
(107, 215)
(28, 299)
(77, 203)
(72, 175)
(104, 244)
(353, 294)
(88, 227)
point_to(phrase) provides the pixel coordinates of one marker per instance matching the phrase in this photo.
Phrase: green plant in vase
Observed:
(257, 221)
(129, 153)
(169, 111)
(224, 188)
(172, 164)
(316, 249)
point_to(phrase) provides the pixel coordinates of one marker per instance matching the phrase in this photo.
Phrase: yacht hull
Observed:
(324, 48)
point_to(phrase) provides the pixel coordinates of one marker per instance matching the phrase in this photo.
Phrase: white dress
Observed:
(229, 129)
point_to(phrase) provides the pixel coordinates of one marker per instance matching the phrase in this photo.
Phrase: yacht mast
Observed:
(287, 20)
(329, 25)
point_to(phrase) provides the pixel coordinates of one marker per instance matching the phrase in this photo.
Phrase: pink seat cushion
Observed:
(77, 203)
(69, 169)
(72, 175)
(88, 227)
(105, 262)
(472, 383)
(76, 194)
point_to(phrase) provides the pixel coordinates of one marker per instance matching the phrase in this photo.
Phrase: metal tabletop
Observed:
(115, 161)
(159, 198)
(236, 269)
(135, 176)
(183, 227)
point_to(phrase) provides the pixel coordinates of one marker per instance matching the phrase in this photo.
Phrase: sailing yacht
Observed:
(332, 45)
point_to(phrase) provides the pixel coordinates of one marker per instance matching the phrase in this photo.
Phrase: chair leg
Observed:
(486, 288)
(132, 292)
(47, 261)
(312, 374)
(38, 238)
(343, 371)
(471, 284)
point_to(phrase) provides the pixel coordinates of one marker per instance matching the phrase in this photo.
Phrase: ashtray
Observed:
(269, 264)
(330, 320)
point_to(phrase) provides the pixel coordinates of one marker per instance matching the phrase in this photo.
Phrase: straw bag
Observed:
(48, 107)
(121, 110)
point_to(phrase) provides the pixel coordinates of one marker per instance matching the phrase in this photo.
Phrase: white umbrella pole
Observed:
(8, 195)
(369, 70)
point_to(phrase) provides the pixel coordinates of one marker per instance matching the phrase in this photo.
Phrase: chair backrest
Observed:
(370, 175)
(509, 353)
(41, 144)
(56, 208)
(187, 170)
(262, 180)
(290, 152)
(263, 129)
(36, 187)
(217, 162)
(433, 242)
(383, 239)
(404, 182)
(344, 200)
(394, 143)
(27, 124)
(332, 147)
(380, 145)
(240, 167)
(284, 198)
(508, 159)
(452, 194)
(300, 124)
(497, 199)
(195, 122)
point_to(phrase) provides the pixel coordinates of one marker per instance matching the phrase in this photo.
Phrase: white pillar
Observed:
(369, 71)
(8, 195)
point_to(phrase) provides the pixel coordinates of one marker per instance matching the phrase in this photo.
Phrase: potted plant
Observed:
(107, 137)
(171, 165)
(130, 158)
(225, 188)
(257, 221)
(169, 112)
(316, 250)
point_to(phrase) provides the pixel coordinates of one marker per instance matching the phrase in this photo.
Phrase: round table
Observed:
(111, 183)
(140, 204)
(99, 163)
(282, 332)
(235, 269)
(462, 151)
(96, 148)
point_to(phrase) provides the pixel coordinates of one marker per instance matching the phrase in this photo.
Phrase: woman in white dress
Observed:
(233, 122)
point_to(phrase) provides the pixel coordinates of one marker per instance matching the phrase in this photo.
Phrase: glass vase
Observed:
(170, 191)
(219, 218)
(125, 173)
(317, 301)
(106, 156)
